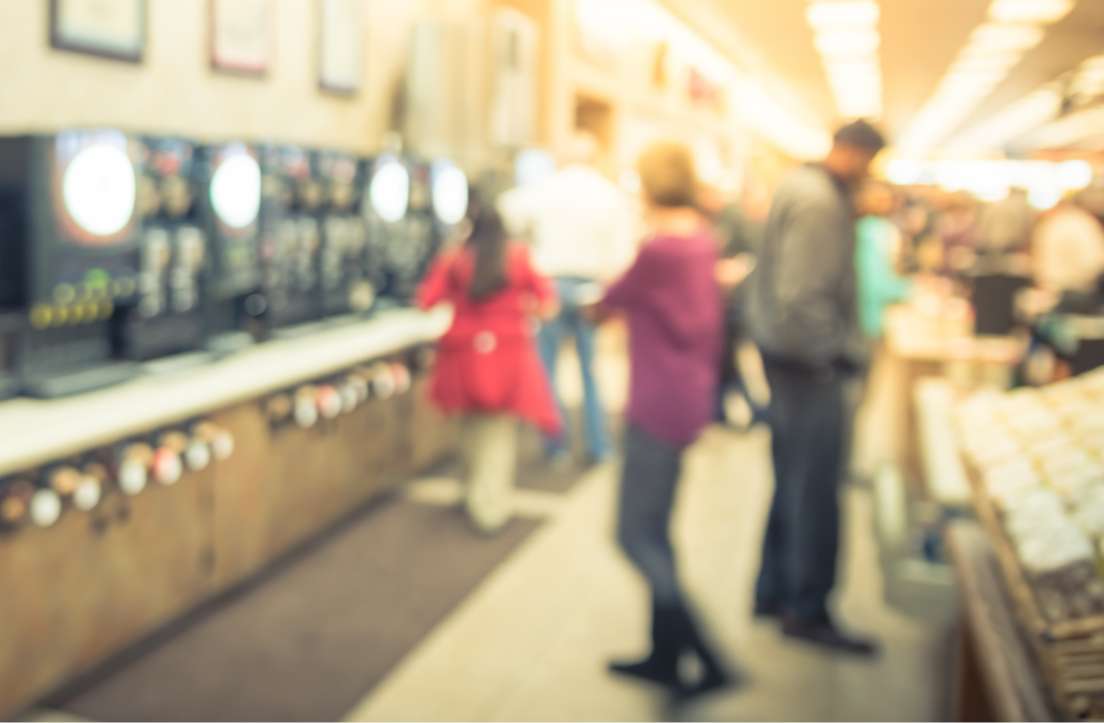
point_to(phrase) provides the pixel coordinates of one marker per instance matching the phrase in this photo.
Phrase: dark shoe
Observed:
(652, 670)
(715, 675)
(661, 666)
(712, 680)
(825, 634)
(766, 610)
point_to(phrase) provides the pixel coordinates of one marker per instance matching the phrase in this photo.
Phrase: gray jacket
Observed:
(802, 309)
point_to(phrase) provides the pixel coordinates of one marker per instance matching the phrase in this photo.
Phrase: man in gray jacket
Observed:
(803, 316)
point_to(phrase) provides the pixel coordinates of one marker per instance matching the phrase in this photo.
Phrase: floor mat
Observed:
(311, 641)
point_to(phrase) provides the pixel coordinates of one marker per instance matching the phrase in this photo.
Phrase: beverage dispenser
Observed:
(343, 276)
(229, 178)
(291, 234)
(167, 316)
(11, 325)
(70, 231)
(386, 206)
(449, 194)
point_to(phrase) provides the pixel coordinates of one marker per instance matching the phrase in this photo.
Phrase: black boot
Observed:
(661, 666)
(715, 675)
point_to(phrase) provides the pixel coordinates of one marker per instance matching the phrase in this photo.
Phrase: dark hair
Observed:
(860, 134)
(488, 243)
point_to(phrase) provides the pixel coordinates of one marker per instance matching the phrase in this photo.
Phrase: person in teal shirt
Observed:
(879, 284)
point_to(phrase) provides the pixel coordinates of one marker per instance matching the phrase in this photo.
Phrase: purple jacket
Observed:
(674, 310)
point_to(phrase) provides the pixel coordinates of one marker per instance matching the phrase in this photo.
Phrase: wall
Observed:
(175, 91)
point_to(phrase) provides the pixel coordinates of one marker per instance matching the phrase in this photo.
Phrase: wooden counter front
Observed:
(81, 591)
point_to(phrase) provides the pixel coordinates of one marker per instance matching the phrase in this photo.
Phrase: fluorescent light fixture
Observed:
(1042, 12)
(848, 42)
(1000, 38)
(824, 14)
(1014, 121)
(1075, 175)
(1093, 63)
(847, 39)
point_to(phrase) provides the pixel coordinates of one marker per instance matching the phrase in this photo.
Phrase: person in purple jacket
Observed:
(673, 306)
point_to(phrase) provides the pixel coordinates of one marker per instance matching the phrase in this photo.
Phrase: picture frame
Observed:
(112, 29)
(341, 46)
(241, 36)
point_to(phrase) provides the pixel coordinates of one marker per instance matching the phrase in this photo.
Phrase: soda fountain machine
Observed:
(11, 325)
(385, 207)
(229, 178)
(291, 235)
(70, 230)
(166, 317)
(449, 195)
(344, 280)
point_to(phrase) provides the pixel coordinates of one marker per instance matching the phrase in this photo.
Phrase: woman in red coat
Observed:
(487, 367)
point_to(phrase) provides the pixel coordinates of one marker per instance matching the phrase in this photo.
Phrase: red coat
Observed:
(487, 361)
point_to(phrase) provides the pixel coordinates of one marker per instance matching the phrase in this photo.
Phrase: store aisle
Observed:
(532, 642)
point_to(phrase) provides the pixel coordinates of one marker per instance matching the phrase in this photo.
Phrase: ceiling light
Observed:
(1041, 12)
(994, 37)
(1075, 175)
(1093, 63)
(824, 14)
(848, 42)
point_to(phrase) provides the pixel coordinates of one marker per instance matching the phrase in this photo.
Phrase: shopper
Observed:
(1004, 226)
(487, 367)
(674, 311)
(582, 228)
(803, 316)
(1068, 250)
(878, 248)
(739, 234)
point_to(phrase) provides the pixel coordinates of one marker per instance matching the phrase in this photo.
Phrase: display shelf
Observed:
(1021, 450)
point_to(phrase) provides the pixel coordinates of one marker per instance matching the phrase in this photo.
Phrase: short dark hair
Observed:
(860, 134)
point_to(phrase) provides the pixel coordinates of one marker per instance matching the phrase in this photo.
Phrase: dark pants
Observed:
(648, 481)
(807, 420)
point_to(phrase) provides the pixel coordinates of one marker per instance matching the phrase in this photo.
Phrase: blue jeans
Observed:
(800, 548)
(569, 322)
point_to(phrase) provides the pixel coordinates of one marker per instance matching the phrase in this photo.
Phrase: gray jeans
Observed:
(648, 482)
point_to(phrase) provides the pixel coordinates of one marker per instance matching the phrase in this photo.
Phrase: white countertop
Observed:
(34, 432)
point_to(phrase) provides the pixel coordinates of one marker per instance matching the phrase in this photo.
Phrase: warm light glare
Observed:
(826, 14)
(999, 38)
(847, 39)
(848, 43)
(991, 180)
(1042, 12)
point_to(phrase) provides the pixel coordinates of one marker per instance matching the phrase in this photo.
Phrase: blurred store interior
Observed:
(236, 482)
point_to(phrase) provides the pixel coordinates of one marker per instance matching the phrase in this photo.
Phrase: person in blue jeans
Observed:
(570, 323)
(581, 227)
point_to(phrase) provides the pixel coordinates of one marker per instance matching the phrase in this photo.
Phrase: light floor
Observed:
(533, 641)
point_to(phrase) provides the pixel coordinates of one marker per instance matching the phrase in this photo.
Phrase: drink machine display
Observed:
(229, 177)
(291, 235)
(386, 206)
(166, 316)
(343, 274)
(70, 230)
(449, 193)
(10, 325)
(411, 207)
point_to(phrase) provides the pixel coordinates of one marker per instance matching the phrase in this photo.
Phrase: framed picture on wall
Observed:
(341, 45)
(241, 35)
(107, 28)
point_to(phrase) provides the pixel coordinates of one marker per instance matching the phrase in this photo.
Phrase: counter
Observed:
(36, 432)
